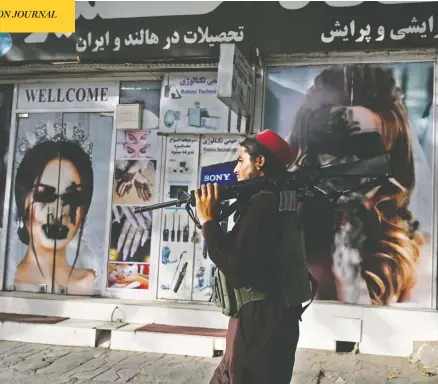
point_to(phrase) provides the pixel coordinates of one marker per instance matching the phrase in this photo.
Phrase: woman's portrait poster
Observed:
(60, 203)
(374, 247)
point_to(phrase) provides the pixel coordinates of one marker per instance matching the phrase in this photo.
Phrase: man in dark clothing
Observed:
(262, 340)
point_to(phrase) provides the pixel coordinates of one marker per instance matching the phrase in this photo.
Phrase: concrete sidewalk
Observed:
(42, 364)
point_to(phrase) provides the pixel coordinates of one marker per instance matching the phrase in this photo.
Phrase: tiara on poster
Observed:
(54, 132)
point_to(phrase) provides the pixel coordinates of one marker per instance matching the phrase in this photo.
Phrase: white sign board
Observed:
(128, 116)
(235, 80)
(189, 104)
(68, 95)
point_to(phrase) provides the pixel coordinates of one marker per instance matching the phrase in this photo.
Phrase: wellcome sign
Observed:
(78, 95)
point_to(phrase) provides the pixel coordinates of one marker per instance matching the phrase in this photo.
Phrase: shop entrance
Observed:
(59, 203)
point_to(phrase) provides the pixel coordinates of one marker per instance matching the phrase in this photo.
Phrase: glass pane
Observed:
(31, 248)
(148, 94)
(84, 184)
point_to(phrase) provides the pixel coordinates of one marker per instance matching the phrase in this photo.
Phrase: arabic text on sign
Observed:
(149, 38)
(348, 32)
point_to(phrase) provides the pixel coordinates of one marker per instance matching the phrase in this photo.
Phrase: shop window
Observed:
(136, 183)
(376, 247)
(60, 198)
(146, 93)
(185, 270)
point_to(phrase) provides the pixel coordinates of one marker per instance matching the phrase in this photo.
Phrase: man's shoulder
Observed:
(264, 198)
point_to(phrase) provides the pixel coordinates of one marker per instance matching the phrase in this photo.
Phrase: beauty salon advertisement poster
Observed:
(375, 247)
(57, 238)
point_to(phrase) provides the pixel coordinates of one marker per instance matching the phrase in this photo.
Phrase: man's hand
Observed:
(207, 201)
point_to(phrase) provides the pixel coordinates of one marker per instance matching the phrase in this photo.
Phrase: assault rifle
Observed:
(331, 181)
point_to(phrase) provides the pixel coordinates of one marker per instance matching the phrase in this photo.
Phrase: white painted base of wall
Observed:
(126, 338)
(378, 330)
(64, 333)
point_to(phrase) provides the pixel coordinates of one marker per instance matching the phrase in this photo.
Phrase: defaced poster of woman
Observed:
(59, 239)
(374, 247)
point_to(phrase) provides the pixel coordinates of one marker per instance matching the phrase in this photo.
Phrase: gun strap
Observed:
(314, 286)
(192, 216)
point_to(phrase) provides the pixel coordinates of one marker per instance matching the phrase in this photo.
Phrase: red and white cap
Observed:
(277, 145)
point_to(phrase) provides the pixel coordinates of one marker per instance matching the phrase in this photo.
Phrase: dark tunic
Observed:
(261, 343)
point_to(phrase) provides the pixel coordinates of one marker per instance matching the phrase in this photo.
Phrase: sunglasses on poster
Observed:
(73, 197)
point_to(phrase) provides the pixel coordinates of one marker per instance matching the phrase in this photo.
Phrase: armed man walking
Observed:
(262, 277)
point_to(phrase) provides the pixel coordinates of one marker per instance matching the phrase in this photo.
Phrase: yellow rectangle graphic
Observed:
(27, 16)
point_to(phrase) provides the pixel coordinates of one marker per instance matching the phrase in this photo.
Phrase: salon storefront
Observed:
(125, 113)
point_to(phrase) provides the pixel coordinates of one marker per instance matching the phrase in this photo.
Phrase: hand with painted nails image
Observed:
(53, 193)
(134, 232)
(141, 184)
(133, 174)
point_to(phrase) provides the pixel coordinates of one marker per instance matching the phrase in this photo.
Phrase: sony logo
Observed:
(219, 177)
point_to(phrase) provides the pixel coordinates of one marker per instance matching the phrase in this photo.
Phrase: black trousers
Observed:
(273, 363)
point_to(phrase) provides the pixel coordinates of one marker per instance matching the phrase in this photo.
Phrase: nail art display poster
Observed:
(176, 258)
(189, 104)
(178, 231)
(135, 182)
(128, 276)
(213, 150)
(130, 235)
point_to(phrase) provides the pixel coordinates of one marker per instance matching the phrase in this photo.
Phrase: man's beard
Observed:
(252, 175)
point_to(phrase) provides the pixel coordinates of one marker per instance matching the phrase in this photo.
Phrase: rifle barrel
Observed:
(161, 205)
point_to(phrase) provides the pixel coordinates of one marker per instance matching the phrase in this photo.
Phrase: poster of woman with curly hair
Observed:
(373, 247)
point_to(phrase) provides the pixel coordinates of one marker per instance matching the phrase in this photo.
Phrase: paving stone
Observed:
(70, 361)
(22, 363)
(97, 366)
(17, 355)
(9, 346)
(41, 359)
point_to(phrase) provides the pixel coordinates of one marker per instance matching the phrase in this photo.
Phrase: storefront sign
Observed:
(235, 80)
(73, 95)
(106, 31)
(320, 26)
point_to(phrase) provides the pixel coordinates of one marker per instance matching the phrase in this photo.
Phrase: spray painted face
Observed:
(56, 206)
(136, 145)
(331, 126)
